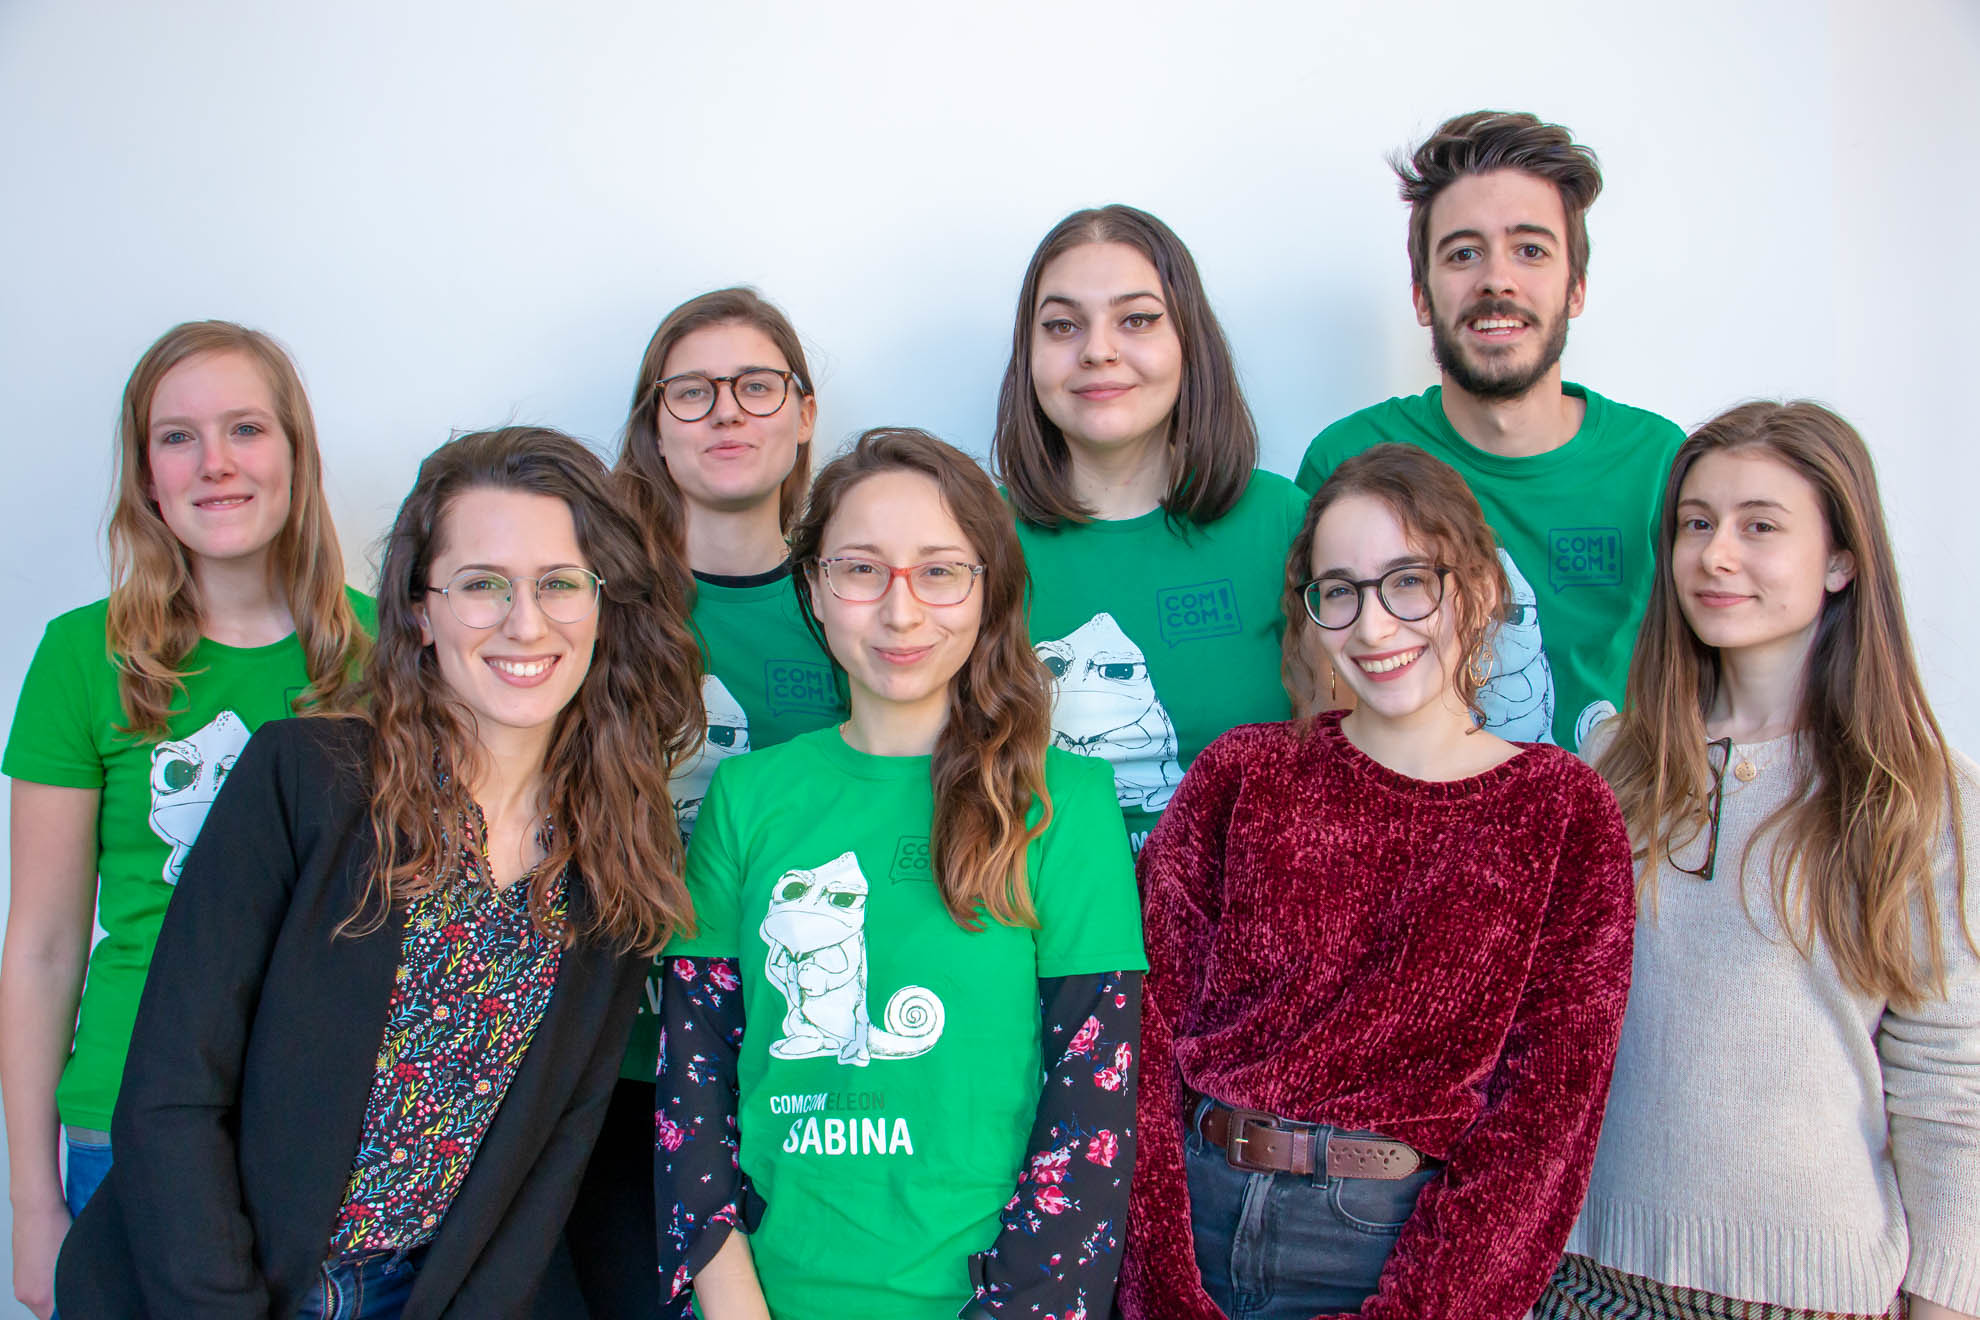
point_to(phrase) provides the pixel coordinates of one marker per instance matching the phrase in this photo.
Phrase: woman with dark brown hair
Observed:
(714, 465)
(1388, 955)
(1128, 452)
(898, 1051)
(394, 983)
(1794, 1129)
(227, 608)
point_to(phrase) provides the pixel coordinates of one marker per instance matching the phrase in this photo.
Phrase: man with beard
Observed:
(1570, 481)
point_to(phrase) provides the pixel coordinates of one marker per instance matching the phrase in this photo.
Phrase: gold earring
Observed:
(1481, 664)
(1333, 683)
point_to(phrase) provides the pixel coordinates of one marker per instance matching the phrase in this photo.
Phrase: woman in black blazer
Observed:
(390, 994)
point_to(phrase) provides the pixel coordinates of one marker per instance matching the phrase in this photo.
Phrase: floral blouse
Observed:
(1059, 1248)
(475, 976)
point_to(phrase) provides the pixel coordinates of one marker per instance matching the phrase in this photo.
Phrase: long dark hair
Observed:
(1213, 441)
(640, 474)
(1856, 838)
(989, 762)
(636, 715)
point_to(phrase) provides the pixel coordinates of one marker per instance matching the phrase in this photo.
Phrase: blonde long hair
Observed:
(1853, 852)
(154, 619)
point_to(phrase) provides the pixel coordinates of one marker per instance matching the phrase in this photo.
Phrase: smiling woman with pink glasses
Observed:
(1129, 454)
(227, 608)
(898, 1063)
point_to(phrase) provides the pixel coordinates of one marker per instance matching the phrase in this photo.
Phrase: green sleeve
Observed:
(1297, 498)
(1082, 877)
(365, 608)
(52, 740)
(1322, 457)
(714, 876)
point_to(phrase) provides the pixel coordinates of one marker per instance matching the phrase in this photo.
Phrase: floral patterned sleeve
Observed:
(1059, 1251)
(698, 1183)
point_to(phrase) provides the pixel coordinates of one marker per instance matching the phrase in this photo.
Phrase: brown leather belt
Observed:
(1264, 1143)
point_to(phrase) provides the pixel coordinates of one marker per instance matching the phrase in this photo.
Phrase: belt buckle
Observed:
(1235, 1139)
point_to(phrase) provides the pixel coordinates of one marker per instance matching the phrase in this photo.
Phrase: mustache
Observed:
(1497, 307)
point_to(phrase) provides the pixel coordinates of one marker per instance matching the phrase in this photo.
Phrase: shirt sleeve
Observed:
(1058, 1252)
(699, 1187)
(713, 875)
(1083, 876)
(1931, 1064)
(52, 741)
(1181, 874)
(1486, 1234)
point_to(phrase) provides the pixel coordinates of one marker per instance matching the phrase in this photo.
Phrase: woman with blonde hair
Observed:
(1794, 1129)
(227, 608)
(897, 1064)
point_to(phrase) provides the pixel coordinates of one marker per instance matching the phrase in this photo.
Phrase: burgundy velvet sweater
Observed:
(1443, 963)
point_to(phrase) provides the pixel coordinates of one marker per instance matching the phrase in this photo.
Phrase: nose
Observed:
(898, 608)
(1496, 274)
(727, 410)
(526, 620)
(1099, 345)
(216, 458)
(1721, 551)
(1374, 625)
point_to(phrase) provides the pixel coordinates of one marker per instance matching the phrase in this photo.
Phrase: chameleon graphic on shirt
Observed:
(816, 931)
(1518, 700)
(727, 735)
(186, 775)
(1103, 704)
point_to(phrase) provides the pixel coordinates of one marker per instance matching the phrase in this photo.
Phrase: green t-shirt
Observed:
(766, 681)
(891, 1064)
(154, 800)
(1577, 526)
(1162, 636)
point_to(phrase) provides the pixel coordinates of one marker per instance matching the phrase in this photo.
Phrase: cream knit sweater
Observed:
(1772, 1135)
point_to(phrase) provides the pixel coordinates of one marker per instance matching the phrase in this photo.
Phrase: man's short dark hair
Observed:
(1487, 140)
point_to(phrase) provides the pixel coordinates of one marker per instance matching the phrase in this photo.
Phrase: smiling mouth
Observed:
(902, 655)
(1389, 664)
(1495, 327)
(1108, 391)
(524, 673)
(222, 502)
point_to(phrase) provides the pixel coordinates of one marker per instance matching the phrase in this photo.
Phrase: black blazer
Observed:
(255, 1048)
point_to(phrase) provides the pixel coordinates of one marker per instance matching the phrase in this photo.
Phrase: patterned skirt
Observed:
(1584, 1290)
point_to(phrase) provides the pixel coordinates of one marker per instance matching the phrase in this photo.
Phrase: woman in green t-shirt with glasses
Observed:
(227, 608)
(898, 1050)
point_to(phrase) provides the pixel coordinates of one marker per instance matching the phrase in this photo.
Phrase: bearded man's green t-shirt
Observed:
(154, 798)
(1577, 531)
(891, 1063)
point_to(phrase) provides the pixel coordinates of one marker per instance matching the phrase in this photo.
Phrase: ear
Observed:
(807, 418)
(1842, 572)
(1421, 298)
(425, 626)
(1577, 296)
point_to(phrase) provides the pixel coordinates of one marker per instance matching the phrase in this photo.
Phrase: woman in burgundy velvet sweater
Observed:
(1388, 956)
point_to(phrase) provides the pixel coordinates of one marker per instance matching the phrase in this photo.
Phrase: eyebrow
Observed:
(1401, 561)
(256, 411)
(1115, 301)
(1743, 504)
(505, 571)
(702, 371)
(874, 552)
(1478, 235)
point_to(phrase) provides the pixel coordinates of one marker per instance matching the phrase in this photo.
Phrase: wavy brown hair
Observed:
(1488, 140)
(1852, 856)
(640, 474)
(1441, 515)
(989, 762)
(636, 715)
(1213, 441)
(154, 618)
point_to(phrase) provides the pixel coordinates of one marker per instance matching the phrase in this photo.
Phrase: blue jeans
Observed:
(373, 1287)
(87, 1163)
(1284, 1246)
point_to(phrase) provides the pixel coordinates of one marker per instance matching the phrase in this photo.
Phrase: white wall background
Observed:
(463, 212)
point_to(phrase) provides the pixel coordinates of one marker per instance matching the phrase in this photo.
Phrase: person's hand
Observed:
(38, 1237)
(1924, 1310)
